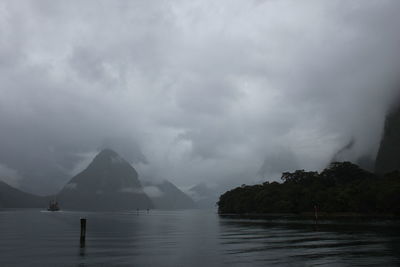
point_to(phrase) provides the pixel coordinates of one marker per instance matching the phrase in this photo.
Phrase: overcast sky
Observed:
(222, 92)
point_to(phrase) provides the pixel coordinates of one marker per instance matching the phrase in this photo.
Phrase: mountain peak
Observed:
(107, 152)
(108, 183)
(108, 156)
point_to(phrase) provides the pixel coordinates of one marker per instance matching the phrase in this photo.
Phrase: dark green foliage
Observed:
(342, 187)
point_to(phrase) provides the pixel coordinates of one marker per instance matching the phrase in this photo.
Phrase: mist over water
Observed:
(192, 238)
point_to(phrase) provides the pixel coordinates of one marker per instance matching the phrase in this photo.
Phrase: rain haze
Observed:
(215, 92)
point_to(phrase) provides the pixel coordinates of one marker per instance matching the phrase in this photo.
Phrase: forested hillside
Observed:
(342, 187)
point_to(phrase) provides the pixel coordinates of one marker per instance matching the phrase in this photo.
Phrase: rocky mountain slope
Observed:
(165, 195)
(108, 183)
(11, 197)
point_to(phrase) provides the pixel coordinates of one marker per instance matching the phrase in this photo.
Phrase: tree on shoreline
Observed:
(342, 187)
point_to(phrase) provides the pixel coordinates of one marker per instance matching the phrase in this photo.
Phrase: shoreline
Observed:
(311, 216)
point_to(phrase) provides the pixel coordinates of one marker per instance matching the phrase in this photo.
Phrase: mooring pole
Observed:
(83, 232)
(316, 213)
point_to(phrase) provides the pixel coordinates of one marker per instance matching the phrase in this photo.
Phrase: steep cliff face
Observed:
(388, 158)
(108, 183)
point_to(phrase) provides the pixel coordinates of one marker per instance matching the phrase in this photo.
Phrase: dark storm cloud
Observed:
(192, 91)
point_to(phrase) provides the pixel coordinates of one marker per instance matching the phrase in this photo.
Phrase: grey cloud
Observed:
(193, 91)
(152, 191)
(9, 176)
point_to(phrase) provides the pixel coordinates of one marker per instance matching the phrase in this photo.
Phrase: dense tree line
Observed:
(342, 187)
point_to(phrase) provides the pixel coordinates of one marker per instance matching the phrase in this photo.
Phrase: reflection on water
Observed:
(191, 238)
(298, 243)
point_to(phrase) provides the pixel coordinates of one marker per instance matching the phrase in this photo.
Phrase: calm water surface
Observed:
(191, 238)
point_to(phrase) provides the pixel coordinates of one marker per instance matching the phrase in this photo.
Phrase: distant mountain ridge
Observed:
(11, 197)
(169, 196)
(204, 196)
(108, 183)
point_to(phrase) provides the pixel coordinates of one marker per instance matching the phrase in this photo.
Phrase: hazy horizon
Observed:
(222, 93)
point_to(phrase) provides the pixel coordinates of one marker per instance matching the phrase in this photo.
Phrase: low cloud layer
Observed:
(9, 176)
(222, 92)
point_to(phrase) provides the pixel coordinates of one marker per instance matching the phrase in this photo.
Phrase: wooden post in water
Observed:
(83, 232)
(316, 214)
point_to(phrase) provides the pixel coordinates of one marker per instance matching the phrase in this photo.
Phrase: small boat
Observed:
(53, 206)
